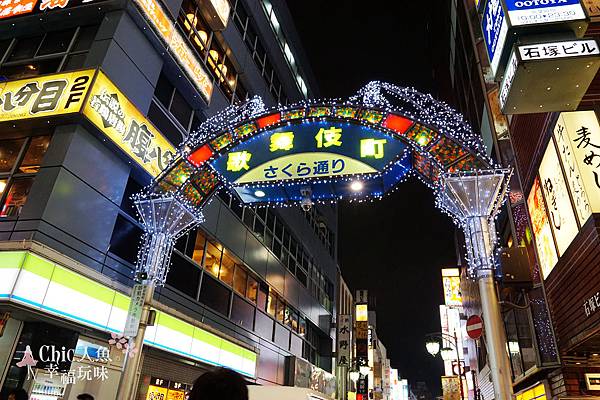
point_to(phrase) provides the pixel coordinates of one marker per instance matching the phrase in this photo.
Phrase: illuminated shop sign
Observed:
(583, 131)
(183, 54)
(540, 223)
(563, 71)
(558, 203)
(163, 389)
(451, 284)
(529, 12)
(537, 392)
(553, 50)
(115, 116)
(567, 190)
(89, 92)
(495, 30)
(13, 8)
(309, 150)
(218, 11)
(44, 96)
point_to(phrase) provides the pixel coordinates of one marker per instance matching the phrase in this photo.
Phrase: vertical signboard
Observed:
(541, 229)
(451, 387)
(584, 136)
(344, 345)
(451, 285)
(495, 30)
(571, 168)
(560, 211)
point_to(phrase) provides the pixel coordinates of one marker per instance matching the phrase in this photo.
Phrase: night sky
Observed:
(394, 247)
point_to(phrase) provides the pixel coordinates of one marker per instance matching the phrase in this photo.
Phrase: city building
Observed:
(548, 229)
(96, 97)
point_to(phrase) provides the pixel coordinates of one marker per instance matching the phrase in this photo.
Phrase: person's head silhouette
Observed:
(222, 384)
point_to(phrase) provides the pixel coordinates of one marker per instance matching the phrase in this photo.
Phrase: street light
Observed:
(354, 375)
(432, 343)
(364, 370)
(433, 347)
(447, 354)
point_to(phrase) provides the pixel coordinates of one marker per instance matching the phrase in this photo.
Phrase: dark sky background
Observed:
(394, 247)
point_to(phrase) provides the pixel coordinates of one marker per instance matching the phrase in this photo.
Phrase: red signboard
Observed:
(11, 8)
(474, 326)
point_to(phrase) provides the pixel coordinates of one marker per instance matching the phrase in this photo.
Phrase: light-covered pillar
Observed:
(165, 219)
(473, 199)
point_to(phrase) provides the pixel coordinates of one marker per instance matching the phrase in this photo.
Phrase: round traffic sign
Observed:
(474, 326)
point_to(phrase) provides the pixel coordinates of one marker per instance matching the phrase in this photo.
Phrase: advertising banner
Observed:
(540, 223)
(344, 345)
(560, 211)
(451, 387)
(44, 96)
(111, 112)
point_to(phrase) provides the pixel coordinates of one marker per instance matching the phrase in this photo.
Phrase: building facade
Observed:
(96, 97)
(547, 230)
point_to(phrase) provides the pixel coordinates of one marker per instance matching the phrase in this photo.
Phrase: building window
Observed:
(46, 53)
(203, 41)
(249, 31)
(125, 239)
(20, 160)
(183, 275)
(215, 295)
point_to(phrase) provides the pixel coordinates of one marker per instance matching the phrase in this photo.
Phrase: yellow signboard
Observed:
(44, 96)
(451, 387)
(537, 392)
(183, 54)
(362, 312)
(295, 166)
(451, 283)
(111, 112)
(156, 393)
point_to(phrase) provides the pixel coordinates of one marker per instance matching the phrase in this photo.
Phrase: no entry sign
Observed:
(474, 326)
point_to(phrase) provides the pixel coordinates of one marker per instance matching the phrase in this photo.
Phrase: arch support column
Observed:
(473, 199)
(165, 219)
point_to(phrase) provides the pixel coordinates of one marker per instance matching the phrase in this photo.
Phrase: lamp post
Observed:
(433, 347)
(165, 219)
(473, 199)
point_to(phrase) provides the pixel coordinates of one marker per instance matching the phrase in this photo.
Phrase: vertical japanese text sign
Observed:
(344, 346)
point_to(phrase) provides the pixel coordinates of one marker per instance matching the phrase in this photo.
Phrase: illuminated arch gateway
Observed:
(326, 150)
(323, 151)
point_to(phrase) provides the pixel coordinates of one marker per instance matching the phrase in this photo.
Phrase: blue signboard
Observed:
(319, 152)
(495, 29)
(529, 12)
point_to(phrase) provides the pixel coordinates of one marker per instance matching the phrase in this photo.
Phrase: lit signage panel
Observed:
(554, 50)
(529, 12)
(560, 211)
(219, 12)
(44, 96)
(14, 8)
(311, 150)
(115, 116)
(574, 179)
(541, 229)
(583, 132)
(362, 312)
(495, 30)
(182, 53)
(451, 285)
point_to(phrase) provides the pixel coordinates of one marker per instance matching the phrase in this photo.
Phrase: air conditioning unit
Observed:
(513, 268)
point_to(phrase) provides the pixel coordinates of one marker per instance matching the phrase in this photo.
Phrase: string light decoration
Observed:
(165, 219)
(473, 200)
(431, 130)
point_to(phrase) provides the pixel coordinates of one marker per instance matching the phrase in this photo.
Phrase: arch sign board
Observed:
(327, 150)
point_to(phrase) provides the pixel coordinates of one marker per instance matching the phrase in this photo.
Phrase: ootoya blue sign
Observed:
(530, 12)
(494, 29)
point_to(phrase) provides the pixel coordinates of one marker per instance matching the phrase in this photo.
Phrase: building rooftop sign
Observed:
(548, 76)
(505, 21)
